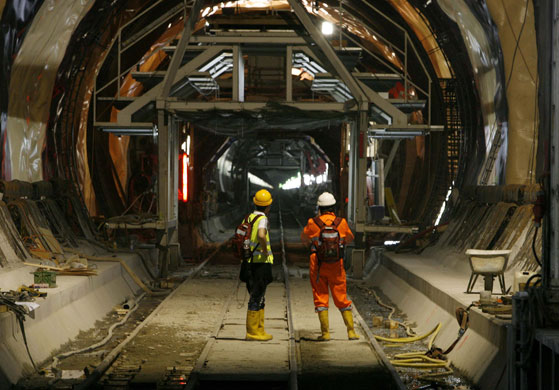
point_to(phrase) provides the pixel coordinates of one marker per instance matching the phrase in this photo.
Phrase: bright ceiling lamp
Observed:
(327, 28)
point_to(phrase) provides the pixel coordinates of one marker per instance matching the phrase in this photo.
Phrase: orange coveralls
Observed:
(331, 274)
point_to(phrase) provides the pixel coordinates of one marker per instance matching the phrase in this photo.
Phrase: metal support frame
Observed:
(211, 47)
(362, 93)
(176, 59)
(391, 157)
(361, 171)
(333, 60)
(353, 145)
(167, 201)
(125, 115)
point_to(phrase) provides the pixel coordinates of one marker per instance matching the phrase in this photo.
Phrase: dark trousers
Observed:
(260, 277)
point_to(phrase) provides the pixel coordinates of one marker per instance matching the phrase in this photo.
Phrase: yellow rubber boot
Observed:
(261, 330)
(253, 319)
(348, 320)
(323, 318)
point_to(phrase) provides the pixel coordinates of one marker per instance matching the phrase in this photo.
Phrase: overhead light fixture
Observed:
(118, 131)
(395, 134)
(327, 28)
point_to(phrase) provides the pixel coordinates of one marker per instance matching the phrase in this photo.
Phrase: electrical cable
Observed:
(409, 331)
(61, 356)
(534, 247)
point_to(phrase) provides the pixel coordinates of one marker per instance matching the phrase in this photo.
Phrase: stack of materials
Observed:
(12, 248)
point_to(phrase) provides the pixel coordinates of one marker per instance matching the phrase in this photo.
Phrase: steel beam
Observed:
(390, 158)
(124, 117)
(334, 61)
(364, 92)
(176, 59)
(182, 106)
(260, 38)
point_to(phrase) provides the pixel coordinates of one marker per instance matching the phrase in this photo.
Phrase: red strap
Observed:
(337, 221)
(251, 223)
(319, 222)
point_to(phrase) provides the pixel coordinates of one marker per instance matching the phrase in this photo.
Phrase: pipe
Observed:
(129, 303)
(134, 305)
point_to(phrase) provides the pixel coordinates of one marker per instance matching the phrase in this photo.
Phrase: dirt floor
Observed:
(170, 343)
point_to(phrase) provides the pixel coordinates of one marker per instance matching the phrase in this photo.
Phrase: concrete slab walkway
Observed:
(339, 363)
(232, 358)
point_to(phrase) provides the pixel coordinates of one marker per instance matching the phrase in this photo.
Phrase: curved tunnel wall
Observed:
(36, 169)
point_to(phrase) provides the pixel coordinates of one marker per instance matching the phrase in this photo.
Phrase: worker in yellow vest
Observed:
(260, 274)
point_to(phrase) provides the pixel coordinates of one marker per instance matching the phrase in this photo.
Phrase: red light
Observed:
(183, 188)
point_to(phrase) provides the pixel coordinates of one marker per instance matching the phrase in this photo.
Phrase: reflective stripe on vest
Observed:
(258, 257)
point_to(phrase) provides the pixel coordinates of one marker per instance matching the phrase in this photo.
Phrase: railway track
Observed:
(199, 329)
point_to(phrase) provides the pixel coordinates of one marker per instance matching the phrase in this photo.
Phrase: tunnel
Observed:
(142, 141)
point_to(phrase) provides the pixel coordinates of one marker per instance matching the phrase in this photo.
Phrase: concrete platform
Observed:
(74, 305)
(429, 288)
(231, 358)
(338, 363)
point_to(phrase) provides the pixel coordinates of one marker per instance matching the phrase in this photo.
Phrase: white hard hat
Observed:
(326, 199)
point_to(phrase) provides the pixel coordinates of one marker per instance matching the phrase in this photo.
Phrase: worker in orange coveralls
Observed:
(329, 273)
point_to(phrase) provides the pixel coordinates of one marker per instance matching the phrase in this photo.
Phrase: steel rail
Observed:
(293, 366)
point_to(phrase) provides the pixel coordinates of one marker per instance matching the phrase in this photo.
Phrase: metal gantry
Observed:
(198, 61)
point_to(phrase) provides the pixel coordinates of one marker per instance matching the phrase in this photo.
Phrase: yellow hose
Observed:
(404, 340)
(417, 365)
(418, 360)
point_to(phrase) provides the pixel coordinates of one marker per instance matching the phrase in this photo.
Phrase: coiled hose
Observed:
(418, 359)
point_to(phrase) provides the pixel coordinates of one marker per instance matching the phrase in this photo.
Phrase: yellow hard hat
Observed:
(262, 198)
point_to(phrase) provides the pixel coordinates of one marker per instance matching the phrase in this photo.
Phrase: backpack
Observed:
(241, 239)
(329, 246)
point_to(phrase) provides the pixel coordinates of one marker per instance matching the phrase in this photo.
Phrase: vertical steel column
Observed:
(361, 171)
(167, 201)
(163, 187)
(288, 78)
(163, 166)
(551, 272)
(351, 188)
(238, 75)
(173, 199)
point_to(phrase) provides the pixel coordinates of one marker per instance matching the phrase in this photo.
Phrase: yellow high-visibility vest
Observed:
(258, 257)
